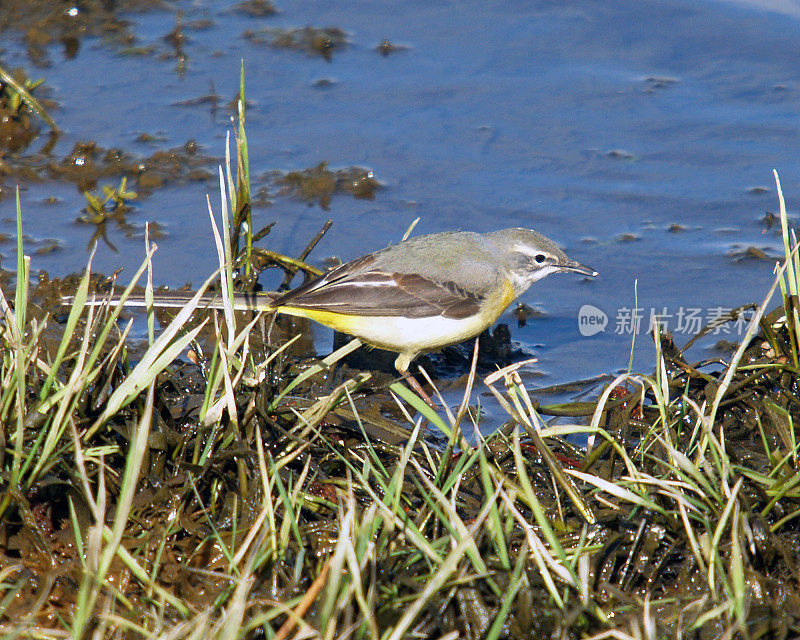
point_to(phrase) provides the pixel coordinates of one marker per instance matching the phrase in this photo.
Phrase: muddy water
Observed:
(640, 135)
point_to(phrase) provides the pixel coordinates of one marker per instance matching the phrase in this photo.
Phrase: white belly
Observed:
(416, 334)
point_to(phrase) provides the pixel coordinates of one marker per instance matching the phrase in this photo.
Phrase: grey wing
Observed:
(355, 289)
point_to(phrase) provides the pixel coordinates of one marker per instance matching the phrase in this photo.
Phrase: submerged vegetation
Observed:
(19, 111)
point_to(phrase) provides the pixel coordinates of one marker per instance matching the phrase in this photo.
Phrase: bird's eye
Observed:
(540, 258)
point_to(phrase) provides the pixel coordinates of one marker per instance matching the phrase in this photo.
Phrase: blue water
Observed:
(584, 120)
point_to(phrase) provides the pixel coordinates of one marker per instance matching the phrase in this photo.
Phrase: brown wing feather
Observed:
(338, 273)
(354, 290)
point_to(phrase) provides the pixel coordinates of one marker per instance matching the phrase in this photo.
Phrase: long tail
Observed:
(177, 299)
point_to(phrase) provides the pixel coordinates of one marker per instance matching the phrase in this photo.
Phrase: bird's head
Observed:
(529, 256)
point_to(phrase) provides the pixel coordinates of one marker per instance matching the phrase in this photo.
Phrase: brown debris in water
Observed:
(741, 253)
(42, 23)
(88, 163)
(256, 8)
(311, 40)
(319, 184)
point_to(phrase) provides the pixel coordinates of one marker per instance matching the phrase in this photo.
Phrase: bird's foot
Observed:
(417, 387)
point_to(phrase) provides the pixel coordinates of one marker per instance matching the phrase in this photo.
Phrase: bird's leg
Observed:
(402, 364)
(417, 387)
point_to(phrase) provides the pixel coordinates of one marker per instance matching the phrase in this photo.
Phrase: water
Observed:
(600, 125)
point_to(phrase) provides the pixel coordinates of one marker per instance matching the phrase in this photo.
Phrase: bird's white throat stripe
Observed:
(544, 271)
(522, 280)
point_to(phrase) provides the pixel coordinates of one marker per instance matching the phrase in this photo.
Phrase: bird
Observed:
(418, 295)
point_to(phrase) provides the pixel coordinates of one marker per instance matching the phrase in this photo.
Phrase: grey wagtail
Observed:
(419, 295)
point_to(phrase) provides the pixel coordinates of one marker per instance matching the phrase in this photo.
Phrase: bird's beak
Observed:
(577, 267)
